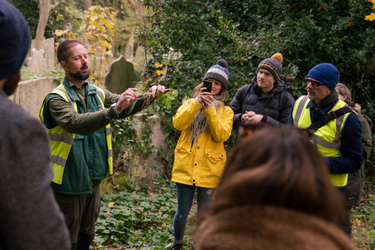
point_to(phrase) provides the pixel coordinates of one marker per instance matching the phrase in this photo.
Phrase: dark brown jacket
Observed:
(261, 228)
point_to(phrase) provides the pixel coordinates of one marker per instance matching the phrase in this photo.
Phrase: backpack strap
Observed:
(282, 100)
(329, 117)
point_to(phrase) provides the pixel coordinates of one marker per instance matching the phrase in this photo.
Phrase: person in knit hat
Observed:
(29, 215)
(339, 139)
(266, 99)
(206, 123)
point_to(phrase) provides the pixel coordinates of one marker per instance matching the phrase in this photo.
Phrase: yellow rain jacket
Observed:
(202, 162)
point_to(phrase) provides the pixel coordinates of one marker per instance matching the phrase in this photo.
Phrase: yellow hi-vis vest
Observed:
(328, 137)
(62, 140)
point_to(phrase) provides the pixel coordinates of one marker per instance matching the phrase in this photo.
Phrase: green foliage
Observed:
(363, 218)
(55, 73)
(31, 7)
(191, 37)
(138, 217)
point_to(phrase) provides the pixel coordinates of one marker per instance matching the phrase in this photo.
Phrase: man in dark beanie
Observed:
(29, 215)
(337, 130)
(266, 98)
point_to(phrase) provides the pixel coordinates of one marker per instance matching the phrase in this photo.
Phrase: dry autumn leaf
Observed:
(357, 222)
(110, 204)
(107, 213)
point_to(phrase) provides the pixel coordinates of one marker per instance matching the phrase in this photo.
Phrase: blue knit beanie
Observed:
(326, 73)
(219, 73)
(14, 40)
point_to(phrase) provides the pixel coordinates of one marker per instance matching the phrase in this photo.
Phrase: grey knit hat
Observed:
(273, 65)
(219, 72)
(14, 41)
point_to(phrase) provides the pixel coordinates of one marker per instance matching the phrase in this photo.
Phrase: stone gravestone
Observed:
(120, 76)
(129, 51)
(49, 52)
(140, 57)
(30, 94)
(145, 166)
(36, 63)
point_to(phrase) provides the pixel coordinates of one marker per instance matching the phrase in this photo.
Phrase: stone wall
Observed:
(30, 94)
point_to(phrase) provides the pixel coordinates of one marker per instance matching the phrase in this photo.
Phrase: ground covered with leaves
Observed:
(138, 217)
(141, 217)
(363, 218)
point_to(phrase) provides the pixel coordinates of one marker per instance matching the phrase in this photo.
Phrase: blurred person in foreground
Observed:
(356, 180)
(78, 115)
(29, 215)
(275, 193)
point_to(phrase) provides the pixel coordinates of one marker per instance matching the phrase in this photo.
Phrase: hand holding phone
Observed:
(207, 85)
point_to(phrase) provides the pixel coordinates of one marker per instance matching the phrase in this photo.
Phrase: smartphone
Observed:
(207, 85)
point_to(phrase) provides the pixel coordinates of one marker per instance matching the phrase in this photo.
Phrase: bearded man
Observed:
(77, 116)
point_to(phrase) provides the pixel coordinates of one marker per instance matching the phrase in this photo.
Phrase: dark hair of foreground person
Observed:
(275, 193)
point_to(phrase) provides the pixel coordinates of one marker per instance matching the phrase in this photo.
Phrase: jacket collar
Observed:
(69, 86)
(326, 104)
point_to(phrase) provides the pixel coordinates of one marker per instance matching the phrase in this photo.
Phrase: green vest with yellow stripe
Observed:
(328, 137)
(62, 141)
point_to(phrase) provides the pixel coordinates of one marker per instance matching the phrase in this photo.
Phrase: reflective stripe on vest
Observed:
(62, 141)
(326, 138)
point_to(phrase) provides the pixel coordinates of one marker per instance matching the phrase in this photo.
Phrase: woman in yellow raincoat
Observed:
(206, 123)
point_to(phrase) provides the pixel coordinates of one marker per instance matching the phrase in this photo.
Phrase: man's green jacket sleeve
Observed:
(63, 114)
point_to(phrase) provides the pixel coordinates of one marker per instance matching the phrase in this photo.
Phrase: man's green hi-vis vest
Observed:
(328, 137)
(62, 141)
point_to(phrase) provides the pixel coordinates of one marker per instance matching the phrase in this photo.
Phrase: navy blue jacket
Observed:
(351, 141)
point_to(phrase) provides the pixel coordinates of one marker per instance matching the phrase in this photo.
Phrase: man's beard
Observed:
(79, 76)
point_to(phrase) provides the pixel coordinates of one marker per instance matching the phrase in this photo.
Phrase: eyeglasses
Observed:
(314, 83)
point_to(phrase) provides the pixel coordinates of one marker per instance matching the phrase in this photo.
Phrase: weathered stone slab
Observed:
(30, 94)
(140, 58)
(144, 167)
(129, 51)
(49, 52)
(120, 76)
(36, 63)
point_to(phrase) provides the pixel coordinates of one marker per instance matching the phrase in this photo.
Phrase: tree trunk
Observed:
(88, 4)
(43, 19)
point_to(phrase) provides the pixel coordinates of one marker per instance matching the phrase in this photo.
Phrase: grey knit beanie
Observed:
(14, 40)
(273, 65)
(219, 73)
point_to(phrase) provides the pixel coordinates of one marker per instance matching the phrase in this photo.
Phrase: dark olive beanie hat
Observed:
(273, 65)
(14, 40)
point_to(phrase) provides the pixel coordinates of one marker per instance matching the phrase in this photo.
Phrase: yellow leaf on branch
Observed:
(370, 17)
(159, 72)
(158, 65)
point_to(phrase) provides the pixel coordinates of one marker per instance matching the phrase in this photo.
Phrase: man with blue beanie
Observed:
(29, 215)
(337, 130)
